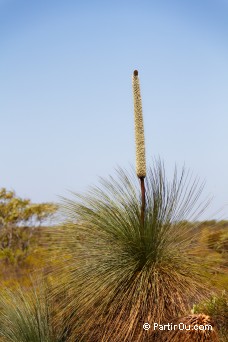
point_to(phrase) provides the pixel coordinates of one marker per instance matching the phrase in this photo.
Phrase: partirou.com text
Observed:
(179, 326)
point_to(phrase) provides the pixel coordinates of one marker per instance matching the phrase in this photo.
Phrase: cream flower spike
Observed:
(139, 130)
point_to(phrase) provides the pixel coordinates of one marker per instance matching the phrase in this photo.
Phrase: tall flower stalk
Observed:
(139, 140)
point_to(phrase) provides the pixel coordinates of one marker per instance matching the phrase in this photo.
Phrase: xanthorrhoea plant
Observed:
(26, 315)
(117, 278)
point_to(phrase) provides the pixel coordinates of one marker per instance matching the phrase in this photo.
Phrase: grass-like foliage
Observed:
(26, 315)
(120, 272)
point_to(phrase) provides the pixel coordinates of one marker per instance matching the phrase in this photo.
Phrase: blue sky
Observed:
(66, 108)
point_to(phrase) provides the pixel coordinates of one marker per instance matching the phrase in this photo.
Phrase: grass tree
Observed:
(27, 315)
(128, 255)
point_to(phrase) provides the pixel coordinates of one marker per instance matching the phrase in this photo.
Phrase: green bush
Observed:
(27, 315)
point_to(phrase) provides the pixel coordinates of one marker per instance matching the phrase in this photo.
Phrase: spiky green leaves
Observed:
(139, 130)
(26, 315)
(118, 278)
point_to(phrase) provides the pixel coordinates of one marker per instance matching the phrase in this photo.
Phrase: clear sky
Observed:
(66, 108)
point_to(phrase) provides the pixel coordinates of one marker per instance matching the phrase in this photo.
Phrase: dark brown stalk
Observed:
(143, 192)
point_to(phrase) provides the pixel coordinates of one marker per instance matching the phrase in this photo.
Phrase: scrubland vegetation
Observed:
(96, 277)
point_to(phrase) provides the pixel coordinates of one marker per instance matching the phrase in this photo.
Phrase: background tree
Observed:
(19, 218)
